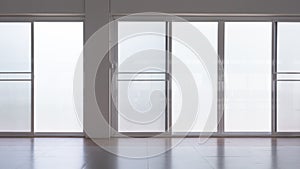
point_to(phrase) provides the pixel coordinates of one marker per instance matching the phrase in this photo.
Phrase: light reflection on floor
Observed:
(215, 153)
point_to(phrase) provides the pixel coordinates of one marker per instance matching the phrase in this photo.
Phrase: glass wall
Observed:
(143, 80)
(248, 83)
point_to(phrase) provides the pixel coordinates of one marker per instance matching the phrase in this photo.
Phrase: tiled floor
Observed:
(191, 153)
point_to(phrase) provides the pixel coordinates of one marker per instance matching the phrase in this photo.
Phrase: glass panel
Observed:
(288, 76)
(142, 76)
(141, 106)
(15, 47)
(58, 46)
(288, 56)
(15, 106)
(16, 76)
(288, 107)
(203, 122)
(248, 76)
(141, 46)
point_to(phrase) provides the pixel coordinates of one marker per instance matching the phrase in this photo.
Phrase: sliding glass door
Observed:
(147, 98)
(288, 77)
(248, 76)
(206, 116)
(38, 61)
(141, 77)
(15, 77)
(244, 80)
(57, 50)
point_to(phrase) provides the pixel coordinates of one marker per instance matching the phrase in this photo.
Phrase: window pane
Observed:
(141, 46)
(15, 106)
(15, 47)
(136, 95)
(288, 56)
(203, 123)
(288, 115)
(248, 77)
(58, 46)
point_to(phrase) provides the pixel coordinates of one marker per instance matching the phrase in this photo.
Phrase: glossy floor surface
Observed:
(190, 153)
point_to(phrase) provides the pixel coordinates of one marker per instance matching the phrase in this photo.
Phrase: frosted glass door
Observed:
(15, 76)
(206, 119)
(288, 69)
(247, 76)
(58, 46)
(141, 70)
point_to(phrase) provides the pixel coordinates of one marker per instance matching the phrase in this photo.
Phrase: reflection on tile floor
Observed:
(215, 153)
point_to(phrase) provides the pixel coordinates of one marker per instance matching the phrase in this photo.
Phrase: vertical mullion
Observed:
(32, 78)
(114, 55)
(166, 82)
(168, 78)
(83, 79)
(274, 77)
(221, 31)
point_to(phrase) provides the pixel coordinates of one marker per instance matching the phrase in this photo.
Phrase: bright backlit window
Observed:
(247, 73)
(57, 50)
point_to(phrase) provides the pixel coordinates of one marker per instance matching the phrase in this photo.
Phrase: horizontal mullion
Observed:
(15, 134)
(58, 134)
(287, 72)
(15, 76)
(144, 76)
(147, 80)
(289, 80)
(7, 80)
(141, 72)
(15, 72)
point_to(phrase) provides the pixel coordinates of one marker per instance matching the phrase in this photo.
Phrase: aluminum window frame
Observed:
(32, 18)
(221, 19)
